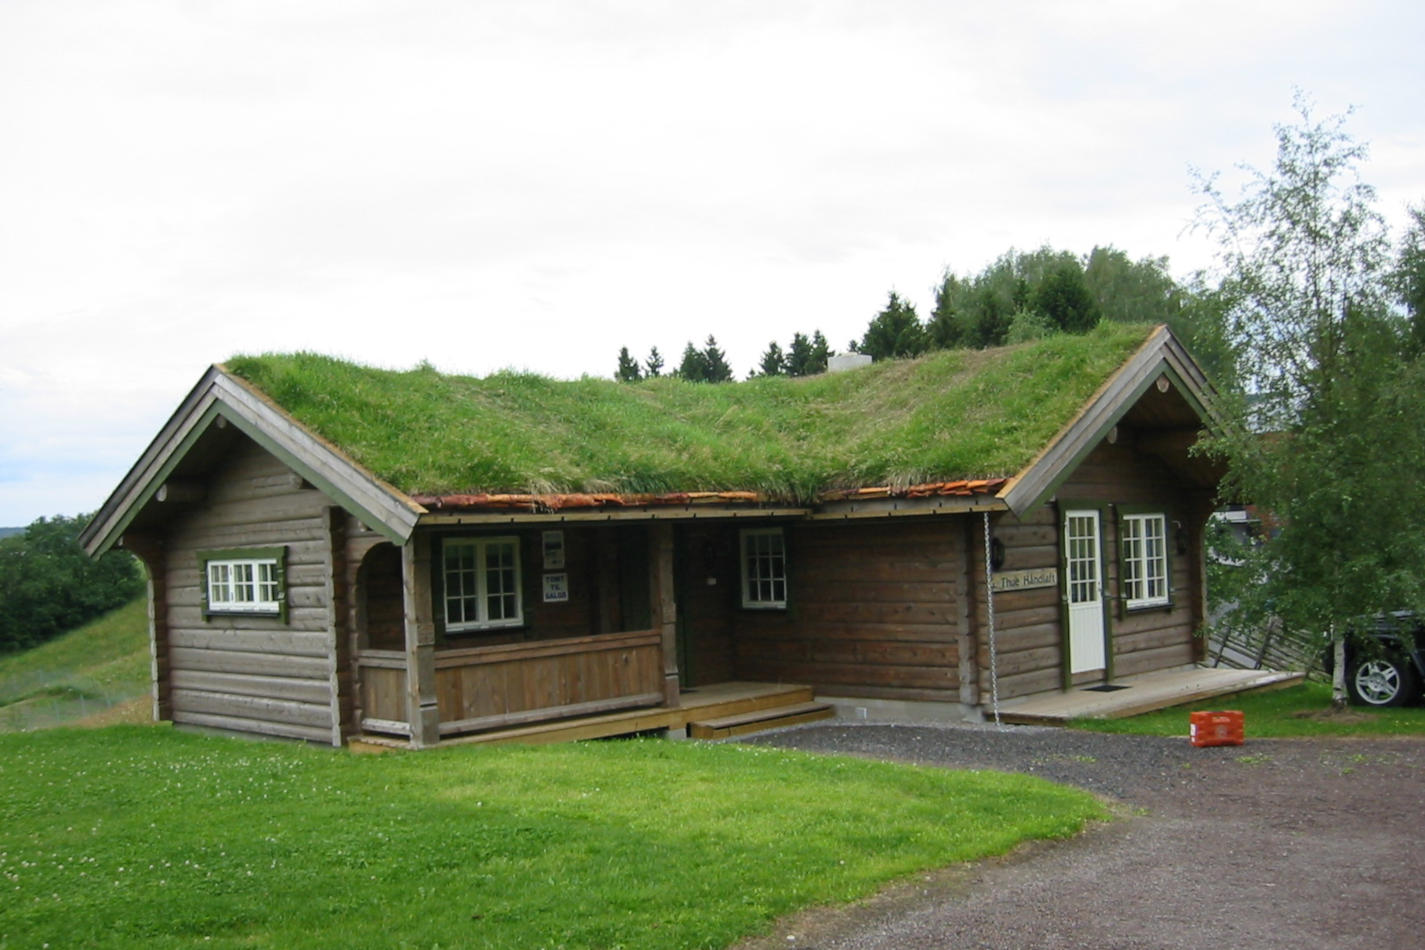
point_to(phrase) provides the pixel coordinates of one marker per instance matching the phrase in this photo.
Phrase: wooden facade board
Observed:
(290, 712)
(252, 668)
(252, 663)
(243, 684)
(299, 643)
(870, 605)
(263, 727)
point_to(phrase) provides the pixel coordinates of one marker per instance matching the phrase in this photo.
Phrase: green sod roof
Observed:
(954, 414)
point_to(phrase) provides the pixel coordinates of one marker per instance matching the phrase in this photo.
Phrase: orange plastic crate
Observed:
(1221, 727)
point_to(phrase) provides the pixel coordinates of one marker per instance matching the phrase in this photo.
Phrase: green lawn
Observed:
(79, 674)
(148, 836)
(1298, 711)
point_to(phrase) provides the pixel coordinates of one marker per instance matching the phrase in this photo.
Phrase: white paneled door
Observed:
(1083, 579)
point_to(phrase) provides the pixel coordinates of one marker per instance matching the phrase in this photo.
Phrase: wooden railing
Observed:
(513, 683)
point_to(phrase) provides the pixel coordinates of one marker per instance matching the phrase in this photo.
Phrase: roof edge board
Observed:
(113, 515)
(382, 507)
(1161, 354)
(391, 511)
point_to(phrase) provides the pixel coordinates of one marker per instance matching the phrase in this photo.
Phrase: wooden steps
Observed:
(770, 718)
(758, 705)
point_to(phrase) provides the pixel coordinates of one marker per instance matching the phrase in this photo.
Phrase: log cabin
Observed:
(337, 552)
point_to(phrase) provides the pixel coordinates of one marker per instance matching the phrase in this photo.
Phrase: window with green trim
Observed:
(1145, 560)
(245, 581)
(482, 583)
(764, 569)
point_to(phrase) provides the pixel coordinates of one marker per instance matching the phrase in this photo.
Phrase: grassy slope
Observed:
(126, 836)
(953, 414)
(1299, 711)
(78, 674)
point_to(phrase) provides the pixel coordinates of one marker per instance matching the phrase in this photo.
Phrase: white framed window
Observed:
(246, 581)
(1145, 560)
(482, 583)
(764, 569)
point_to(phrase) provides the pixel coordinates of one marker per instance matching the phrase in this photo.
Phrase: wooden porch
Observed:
(1145, 692)
(765, 704)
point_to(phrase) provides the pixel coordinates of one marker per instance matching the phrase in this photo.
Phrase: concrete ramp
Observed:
(1132, 695)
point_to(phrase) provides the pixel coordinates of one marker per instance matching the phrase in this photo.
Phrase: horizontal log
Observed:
(1023, 684)
(1027, 617)
(1011, 600)
(1024, 638)
(871, 631)
(1036, 557)
(828, 690)
(305, 621)
(242, 684)
(1153, 620)
(938, 594)
(289, 642)
(1151, 640)
(286, 730)
(1027, 661)
(252, 707)
(818, 613)
(1146, 661)
(237, 661)
(850, 674)
(853, 570)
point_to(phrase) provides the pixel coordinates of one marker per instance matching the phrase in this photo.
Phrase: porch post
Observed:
(1199, 511)
(421, 710)
(150, 551)
(338, 648)
(967, 650)
(664, 607)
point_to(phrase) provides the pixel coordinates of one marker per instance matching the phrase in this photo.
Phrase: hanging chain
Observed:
(990, 615)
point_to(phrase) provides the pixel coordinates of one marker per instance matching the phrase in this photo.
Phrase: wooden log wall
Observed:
(1029, 639)
(249, 673)
(872, 611)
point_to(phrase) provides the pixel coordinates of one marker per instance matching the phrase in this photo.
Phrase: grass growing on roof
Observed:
(953, 414)
(141, 836)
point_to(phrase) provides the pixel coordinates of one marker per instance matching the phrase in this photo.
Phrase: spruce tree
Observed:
(628, 371)
(717, 368)
(773, 363)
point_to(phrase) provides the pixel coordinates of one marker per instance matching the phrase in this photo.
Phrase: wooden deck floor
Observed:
(705, 702)
(1143, 693)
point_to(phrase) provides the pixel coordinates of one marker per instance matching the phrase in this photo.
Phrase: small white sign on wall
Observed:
(553, 551)
(556, 588)
(1025, 580)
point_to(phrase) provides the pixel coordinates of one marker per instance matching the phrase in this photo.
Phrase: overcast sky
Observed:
(535, 184)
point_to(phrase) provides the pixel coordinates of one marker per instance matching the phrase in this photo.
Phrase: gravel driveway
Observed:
(1277, 843)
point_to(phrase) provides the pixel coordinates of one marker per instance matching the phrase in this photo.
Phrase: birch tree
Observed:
(1321, 414)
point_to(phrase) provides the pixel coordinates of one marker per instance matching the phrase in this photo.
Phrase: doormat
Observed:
(1103, 688)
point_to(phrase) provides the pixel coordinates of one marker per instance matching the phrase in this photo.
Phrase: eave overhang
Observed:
(1161, 361)
(221, 399)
